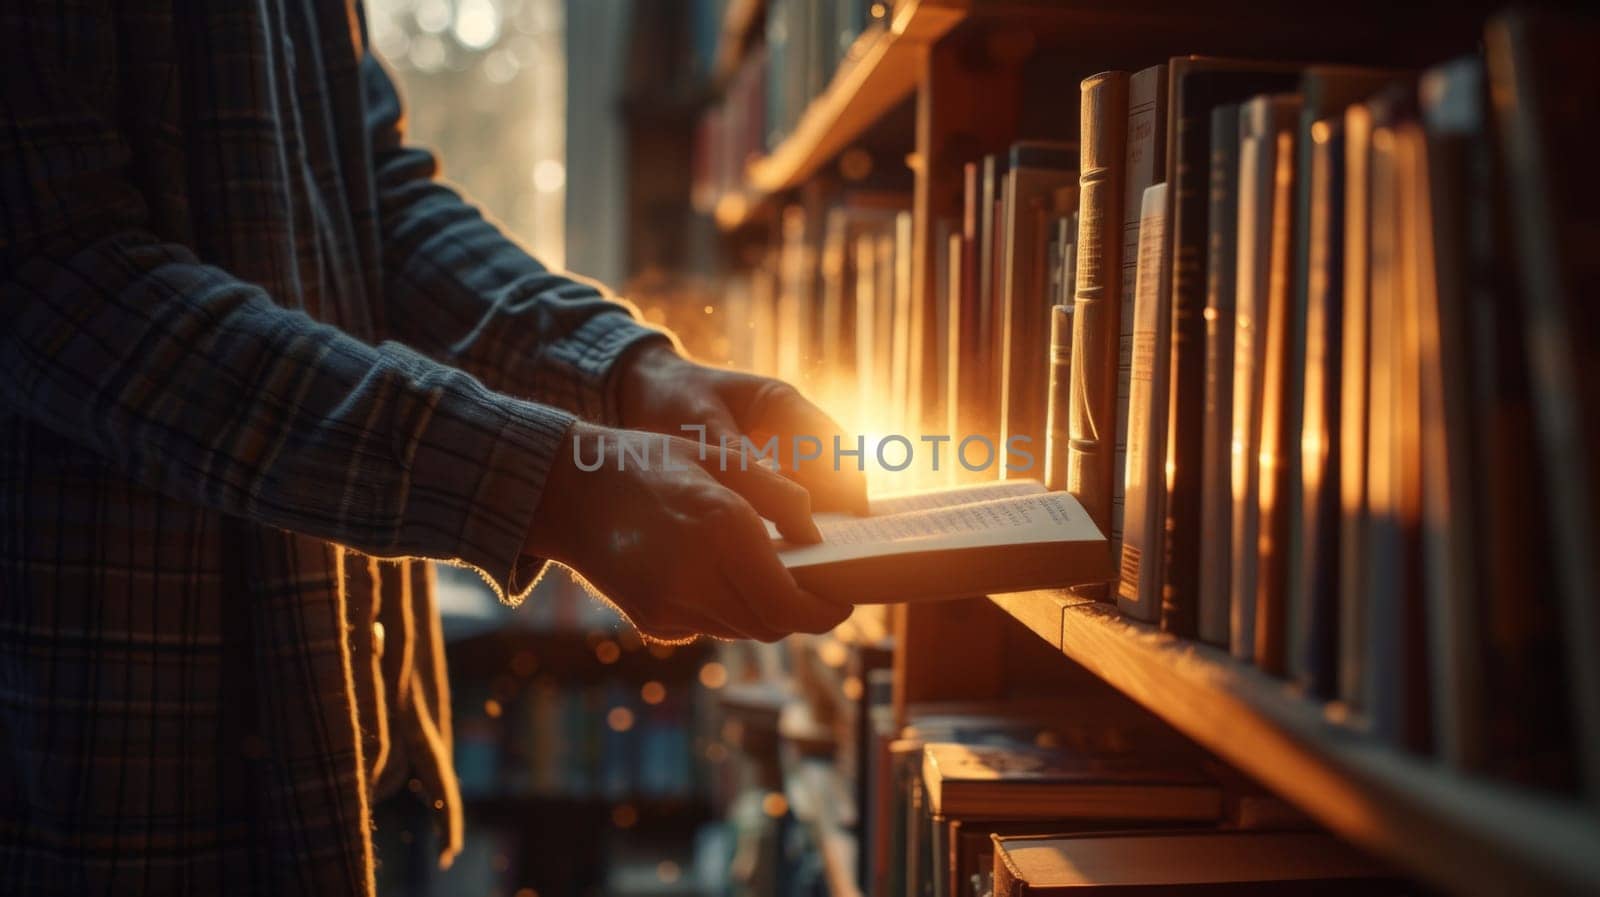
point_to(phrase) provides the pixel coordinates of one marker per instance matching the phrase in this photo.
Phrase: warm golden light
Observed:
(619, 719)
(713, 675)
(608, 651)
(852, 688)
(774, 804)
(653, 692)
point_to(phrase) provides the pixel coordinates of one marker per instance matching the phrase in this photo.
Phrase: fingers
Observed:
(772, 406)
(783, 501)
(767, 590)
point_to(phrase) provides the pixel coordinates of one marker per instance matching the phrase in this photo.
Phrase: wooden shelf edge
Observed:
(884, 70)
(1470, 835)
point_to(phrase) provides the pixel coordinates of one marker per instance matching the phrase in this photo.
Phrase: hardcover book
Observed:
(1139, 583)
(1261, 242)
(1144, 167)
(1216, 455)
(1196, 85)
(957, 542)
(1037, 172)
(1101, 775)
(1090, 461)
(1255, 863)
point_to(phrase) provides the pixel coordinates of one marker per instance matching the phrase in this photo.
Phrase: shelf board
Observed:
(882, 70)
(1469, 835)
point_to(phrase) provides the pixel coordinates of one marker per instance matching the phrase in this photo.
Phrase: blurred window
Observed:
(485, 82)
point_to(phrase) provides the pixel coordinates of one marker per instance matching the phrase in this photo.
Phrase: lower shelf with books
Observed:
(1466, 834)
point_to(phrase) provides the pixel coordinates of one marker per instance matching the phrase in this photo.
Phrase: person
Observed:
(257, 364)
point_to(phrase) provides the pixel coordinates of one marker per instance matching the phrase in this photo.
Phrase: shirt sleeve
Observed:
(198, 385)
(459, 290)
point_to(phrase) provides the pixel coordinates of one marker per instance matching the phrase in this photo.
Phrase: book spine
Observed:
(1278, 441)
(1008, 882)
(1355, 357)
(957, 364)
(990, 185)
(972, 363)
(1315, 665)
(1139, 588)
(1144, 165)
(1542, 73)
(1383, 663)
(1092, 417)
(1037, 173)
(1248, 348)
(1189, 151)
(1055, 473)
(1193, 91)
(1216, 491)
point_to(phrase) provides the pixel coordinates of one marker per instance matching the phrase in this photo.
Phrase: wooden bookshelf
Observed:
(883, 69)
(966, 64)
(1466, 834)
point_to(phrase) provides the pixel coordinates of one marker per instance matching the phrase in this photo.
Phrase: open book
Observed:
(1005, 536)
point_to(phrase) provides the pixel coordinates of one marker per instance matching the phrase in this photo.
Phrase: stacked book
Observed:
(976, 789)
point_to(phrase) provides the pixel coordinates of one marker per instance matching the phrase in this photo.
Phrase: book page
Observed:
(901, 502)
(1040, 517)
(931, 499)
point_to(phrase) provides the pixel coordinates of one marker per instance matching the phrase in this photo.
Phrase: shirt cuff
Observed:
(477, 477)
(578, 372)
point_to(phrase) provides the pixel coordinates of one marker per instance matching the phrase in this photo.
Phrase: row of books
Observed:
(804, 45)
(1334, 465)
(1325, 372)
(607, 740)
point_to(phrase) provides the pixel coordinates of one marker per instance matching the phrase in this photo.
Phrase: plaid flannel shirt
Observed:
(250, 345)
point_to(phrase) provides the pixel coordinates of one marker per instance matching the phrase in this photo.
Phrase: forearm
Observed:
(457, 289)
(198, 385)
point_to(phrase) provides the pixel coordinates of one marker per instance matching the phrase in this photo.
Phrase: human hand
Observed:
(675, 543)
(662, 391)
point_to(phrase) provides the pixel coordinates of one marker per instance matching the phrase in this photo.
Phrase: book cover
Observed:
(1098, 773)
(1254, 863)
(1196, 85)
(1545, 88)
(1095, 326)
(1216, 433)
(1355, 358)
(1261, 241)
(1057, 433)
(1325, 90)
(1279, 441)
(1315, 652)
(1139, 582)
(1452, 102)
(1037, 170)
(1394, 645)
(1144, 166)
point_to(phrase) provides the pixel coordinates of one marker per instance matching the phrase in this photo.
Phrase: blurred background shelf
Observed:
(1475, 836)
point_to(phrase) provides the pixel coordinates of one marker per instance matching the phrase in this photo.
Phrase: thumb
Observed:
(774, 496)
